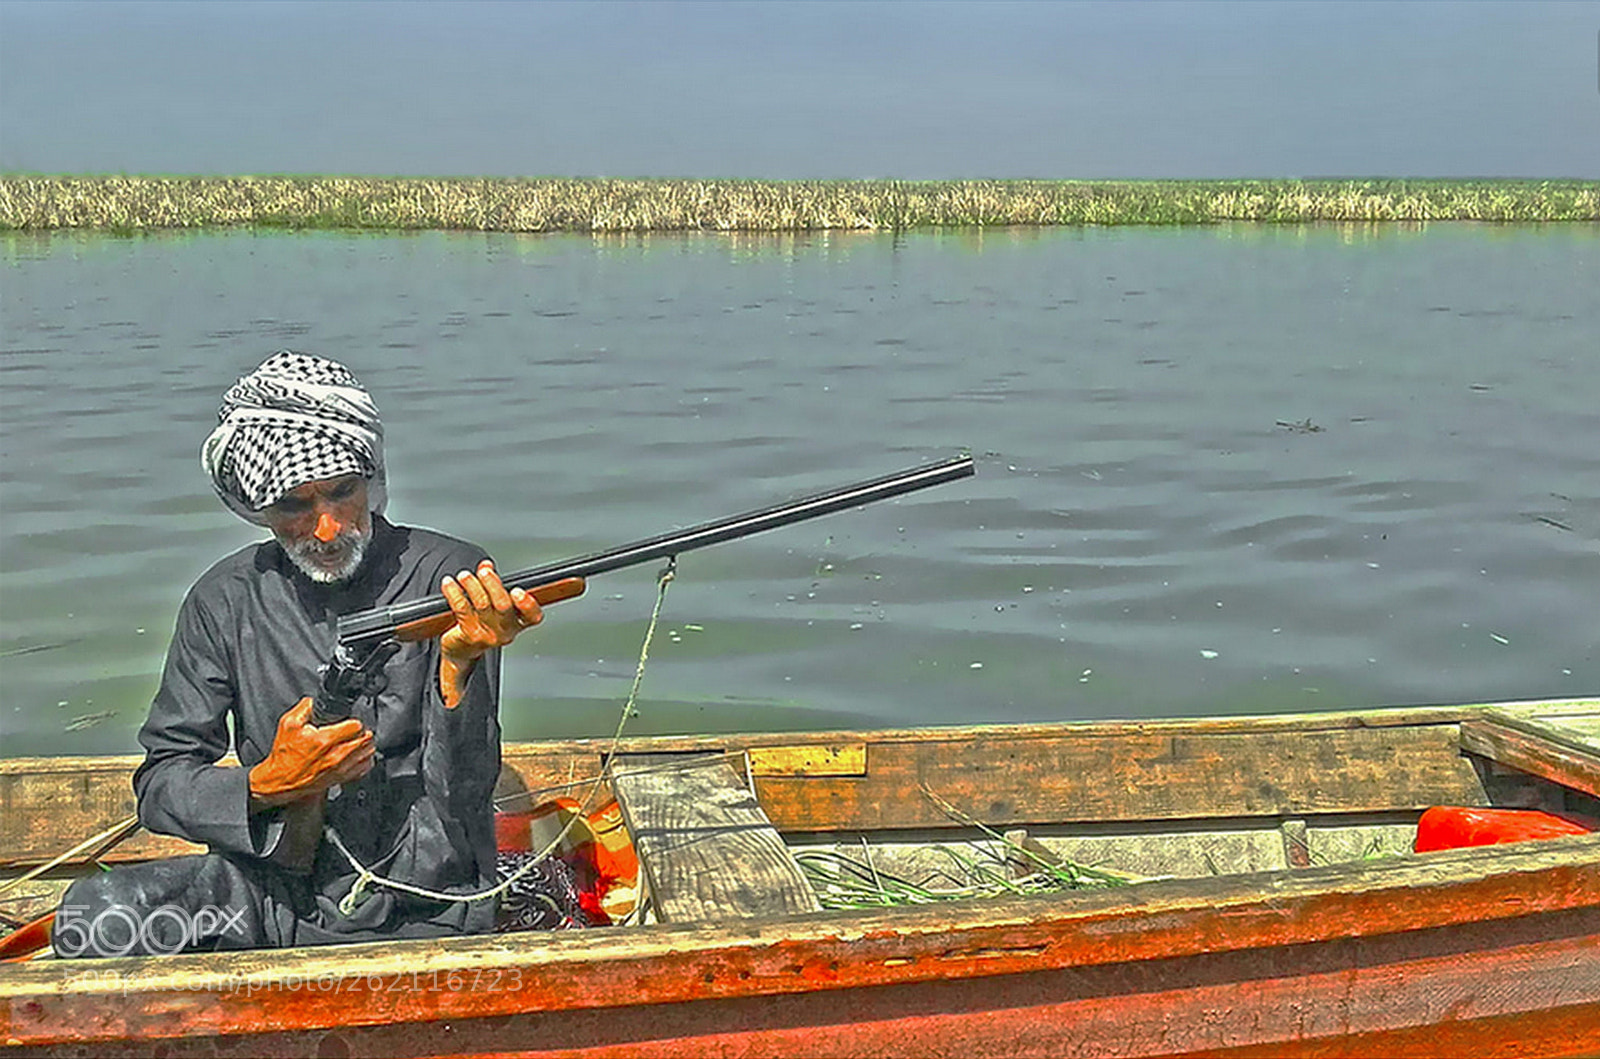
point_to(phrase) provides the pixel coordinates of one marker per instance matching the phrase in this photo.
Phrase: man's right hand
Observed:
(306, 760)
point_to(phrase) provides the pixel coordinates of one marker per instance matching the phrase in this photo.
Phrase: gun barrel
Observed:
(367, 627)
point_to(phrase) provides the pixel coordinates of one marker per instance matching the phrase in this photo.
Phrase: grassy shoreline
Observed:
(142, 203)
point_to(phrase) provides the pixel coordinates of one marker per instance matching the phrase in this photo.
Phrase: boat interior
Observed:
(750, 826)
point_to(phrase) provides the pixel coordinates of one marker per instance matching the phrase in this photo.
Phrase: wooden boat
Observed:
(1266, 925)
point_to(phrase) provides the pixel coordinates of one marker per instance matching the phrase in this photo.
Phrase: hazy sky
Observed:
(800, 90)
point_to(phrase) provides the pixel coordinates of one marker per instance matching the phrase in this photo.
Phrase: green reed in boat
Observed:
(841, 881)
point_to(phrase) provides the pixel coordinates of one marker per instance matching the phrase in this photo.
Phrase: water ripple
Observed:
(1144, 538)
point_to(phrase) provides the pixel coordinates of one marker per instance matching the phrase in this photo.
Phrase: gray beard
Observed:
(302, 554)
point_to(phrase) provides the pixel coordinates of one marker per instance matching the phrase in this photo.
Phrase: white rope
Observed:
(366, 877)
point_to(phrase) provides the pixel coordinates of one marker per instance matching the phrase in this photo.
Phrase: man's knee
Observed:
(96, 919)
(153, 909)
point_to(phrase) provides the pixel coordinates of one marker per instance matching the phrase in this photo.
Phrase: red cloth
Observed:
(596, 847)
(1455, 827)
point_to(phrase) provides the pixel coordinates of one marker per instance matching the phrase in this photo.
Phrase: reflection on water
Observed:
(1220, 470)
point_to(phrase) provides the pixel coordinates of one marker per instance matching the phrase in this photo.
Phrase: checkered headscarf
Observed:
(297, 418)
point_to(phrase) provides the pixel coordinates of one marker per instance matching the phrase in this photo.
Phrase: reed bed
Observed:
(140, 203)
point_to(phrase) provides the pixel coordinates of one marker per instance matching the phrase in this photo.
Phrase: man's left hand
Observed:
(487, 616)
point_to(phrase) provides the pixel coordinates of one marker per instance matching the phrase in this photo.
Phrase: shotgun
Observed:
(368, 638)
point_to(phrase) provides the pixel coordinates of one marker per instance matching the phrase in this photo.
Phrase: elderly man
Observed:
(404, 786)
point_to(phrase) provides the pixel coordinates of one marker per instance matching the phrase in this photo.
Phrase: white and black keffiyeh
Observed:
(297, 418)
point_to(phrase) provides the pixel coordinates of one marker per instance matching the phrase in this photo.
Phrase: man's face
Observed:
(324, 527)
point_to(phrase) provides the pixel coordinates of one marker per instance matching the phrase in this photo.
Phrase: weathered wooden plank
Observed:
(707, 849)
(1002, 780)
(1532, 752)
(1546, 707)
(1187, 853)
(1385, 997)
(1585, 729)
(1573, 725)
(47, 804)
(1473, 936)
(1001, 775)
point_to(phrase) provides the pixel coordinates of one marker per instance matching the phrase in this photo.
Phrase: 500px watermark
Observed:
(475, 980)
(255, 983)
(119, 930)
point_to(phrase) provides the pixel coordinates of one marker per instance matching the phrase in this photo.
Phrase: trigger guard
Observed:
(373, 665)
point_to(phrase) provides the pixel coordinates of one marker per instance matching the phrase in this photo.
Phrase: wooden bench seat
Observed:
(706, 847)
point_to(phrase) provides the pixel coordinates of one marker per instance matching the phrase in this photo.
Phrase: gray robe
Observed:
(250, 637)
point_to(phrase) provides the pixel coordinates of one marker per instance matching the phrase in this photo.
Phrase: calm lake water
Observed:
(1220, 470)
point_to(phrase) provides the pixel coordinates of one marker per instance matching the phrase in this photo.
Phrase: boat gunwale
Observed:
(1241, 724)
(100, 787)
(817, 951)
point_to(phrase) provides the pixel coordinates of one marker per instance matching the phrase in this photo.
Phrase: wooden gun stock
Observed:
(302, 831)
(439, 624)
